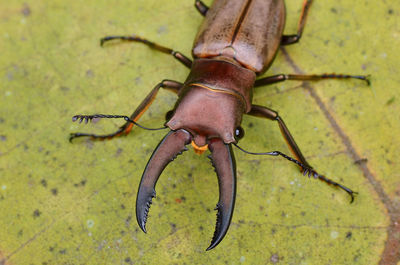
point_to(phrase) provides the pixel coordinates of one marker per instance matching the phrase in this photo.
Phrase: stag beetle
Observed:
(237, 42)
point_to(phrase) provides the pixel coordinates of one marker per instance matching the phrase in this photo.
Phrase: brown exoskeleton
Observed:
(237, 41)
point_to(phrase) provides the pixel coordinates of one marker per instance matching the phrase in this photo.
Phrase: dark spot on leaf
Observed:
(349, 235)
(10, 76)
(54, 191)
(183, 198)
(128, 220)
(26, 11)
(201, 228)
(162, 29)
(122, 206)
(138, 80)
(173, 227)
(128, 260)
(118, 152)
(63, 251)
(51, 249)
(327, 221)
(274, 258)
(20, 232)
(3, 138)
(334, 10)
(44, 183)
(64, 88)
(80, 184)
(390, 101)
(89, 73)
(36, 213)
(390, 11)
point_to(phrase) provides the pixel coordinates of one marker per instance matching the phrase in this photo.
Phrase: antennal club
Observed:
(88, 118)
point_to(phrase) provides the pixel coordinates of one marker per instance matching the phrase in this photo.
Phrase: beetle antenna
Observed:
(88, 118)
(307, 170)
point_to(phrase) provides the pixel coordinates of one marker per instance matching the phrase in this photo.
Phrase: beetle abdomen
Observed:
(248, 31)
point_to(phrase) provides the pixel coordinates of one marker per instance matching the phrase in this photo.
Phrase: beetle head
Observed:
(207, 114)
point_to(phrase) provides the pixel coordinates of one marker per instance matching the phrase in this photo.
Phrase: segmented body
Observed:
(248, 31)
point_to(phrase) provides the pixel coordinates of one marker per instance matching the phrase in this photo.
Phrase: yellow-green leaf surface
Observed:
(63, 203)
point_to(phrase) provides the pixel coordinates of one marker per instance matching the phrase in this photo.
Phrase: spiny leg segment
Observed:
(307, 169)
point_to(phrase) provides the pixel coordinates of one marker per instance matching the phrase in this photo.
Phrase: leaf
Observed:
(63, 203)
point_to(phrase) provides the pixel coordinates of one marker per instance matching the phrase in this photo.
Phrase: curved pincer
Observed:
(223, 161)
(170, 147)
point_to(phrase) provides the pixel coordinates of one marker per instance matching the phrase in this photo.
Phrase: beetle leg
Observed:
(283, 77)
(264, 112)
(291, 39)
(223, 161)
(201, 7)
(173, 144)
(177, 55)
(127, 127)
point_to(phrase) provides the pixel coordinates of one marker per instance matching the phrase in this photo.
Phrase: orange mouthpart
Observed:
(199, 149)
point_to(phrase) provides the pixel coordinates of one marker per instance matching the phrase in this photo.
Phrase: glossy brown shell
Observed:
(249, 31)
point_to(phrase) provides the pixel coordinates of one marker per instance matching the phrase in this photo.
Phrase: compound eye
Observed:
(239, 133)
(168, 115)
